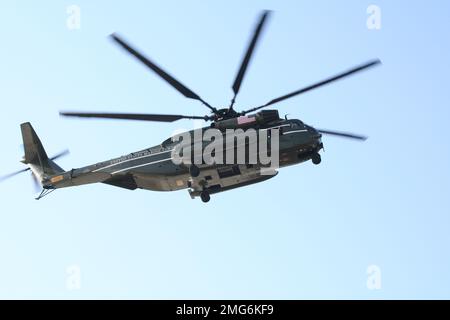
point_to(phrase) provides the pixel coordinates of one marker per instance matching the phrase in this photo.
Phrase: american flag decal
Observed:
(245, 119)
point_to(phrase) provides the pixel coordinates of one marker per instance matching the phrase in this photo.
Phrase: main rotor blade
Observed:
(248, 55)
(188, 93)
(133, 116)
(319, 84)
(343, 134)
(2, 178)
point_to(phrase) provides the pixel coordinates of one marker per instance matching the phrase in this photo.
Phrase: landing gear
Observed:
(194, 171)
(205, 196)
(44, 192)
(316, 159)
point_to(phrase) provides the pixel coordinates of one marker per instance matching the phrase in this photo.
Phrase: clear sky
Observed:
(311, 232)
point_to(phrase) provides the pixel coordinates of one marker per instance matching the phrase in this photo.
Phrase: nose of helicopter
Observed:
(316, 138)
(315, 135)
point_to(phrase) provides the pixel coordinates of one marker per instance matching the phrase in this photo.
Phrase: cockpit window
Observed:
(166, 142)
(292, 126)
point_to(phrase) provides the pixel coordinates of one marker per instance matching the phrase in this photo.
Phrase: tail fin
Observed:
(35, 155)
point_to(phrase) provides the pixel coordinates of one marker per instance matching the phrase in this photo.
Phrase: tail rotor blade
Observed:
(13, 174)
(61, 154)
(10, 175)
(36, 184)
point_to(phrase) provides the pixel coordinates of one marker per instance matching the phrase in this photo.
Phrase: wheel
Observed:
(316, 159)
(205, 196)
(194, 171)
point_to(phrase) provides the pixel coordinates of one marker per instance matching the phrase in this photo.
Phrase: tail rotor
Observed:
(39, 164)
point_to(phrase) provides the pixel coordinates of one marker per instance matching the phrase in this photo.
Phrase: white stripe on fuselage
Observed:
(294, 131)
(141, 165)
(128, 160)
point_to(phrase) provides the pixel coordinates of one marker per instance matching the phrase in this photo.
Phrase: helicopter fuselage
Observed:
(154, 168)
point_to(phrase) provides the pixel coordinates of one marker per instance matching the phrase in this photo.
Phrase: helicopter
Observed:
(154, 168)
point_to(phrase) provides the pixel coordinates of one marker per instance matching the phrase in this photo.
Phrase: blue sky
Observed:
(311, 232)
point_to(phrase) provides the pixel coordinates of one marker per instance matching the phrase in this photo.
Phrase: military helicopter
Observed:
(153, 168)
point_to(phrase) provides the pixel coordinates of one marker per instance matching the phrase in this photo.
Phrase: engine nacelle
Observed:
(259, 119)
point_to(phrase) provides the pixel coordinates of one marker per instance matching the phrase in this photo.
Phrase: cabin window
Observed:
(228, 172)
